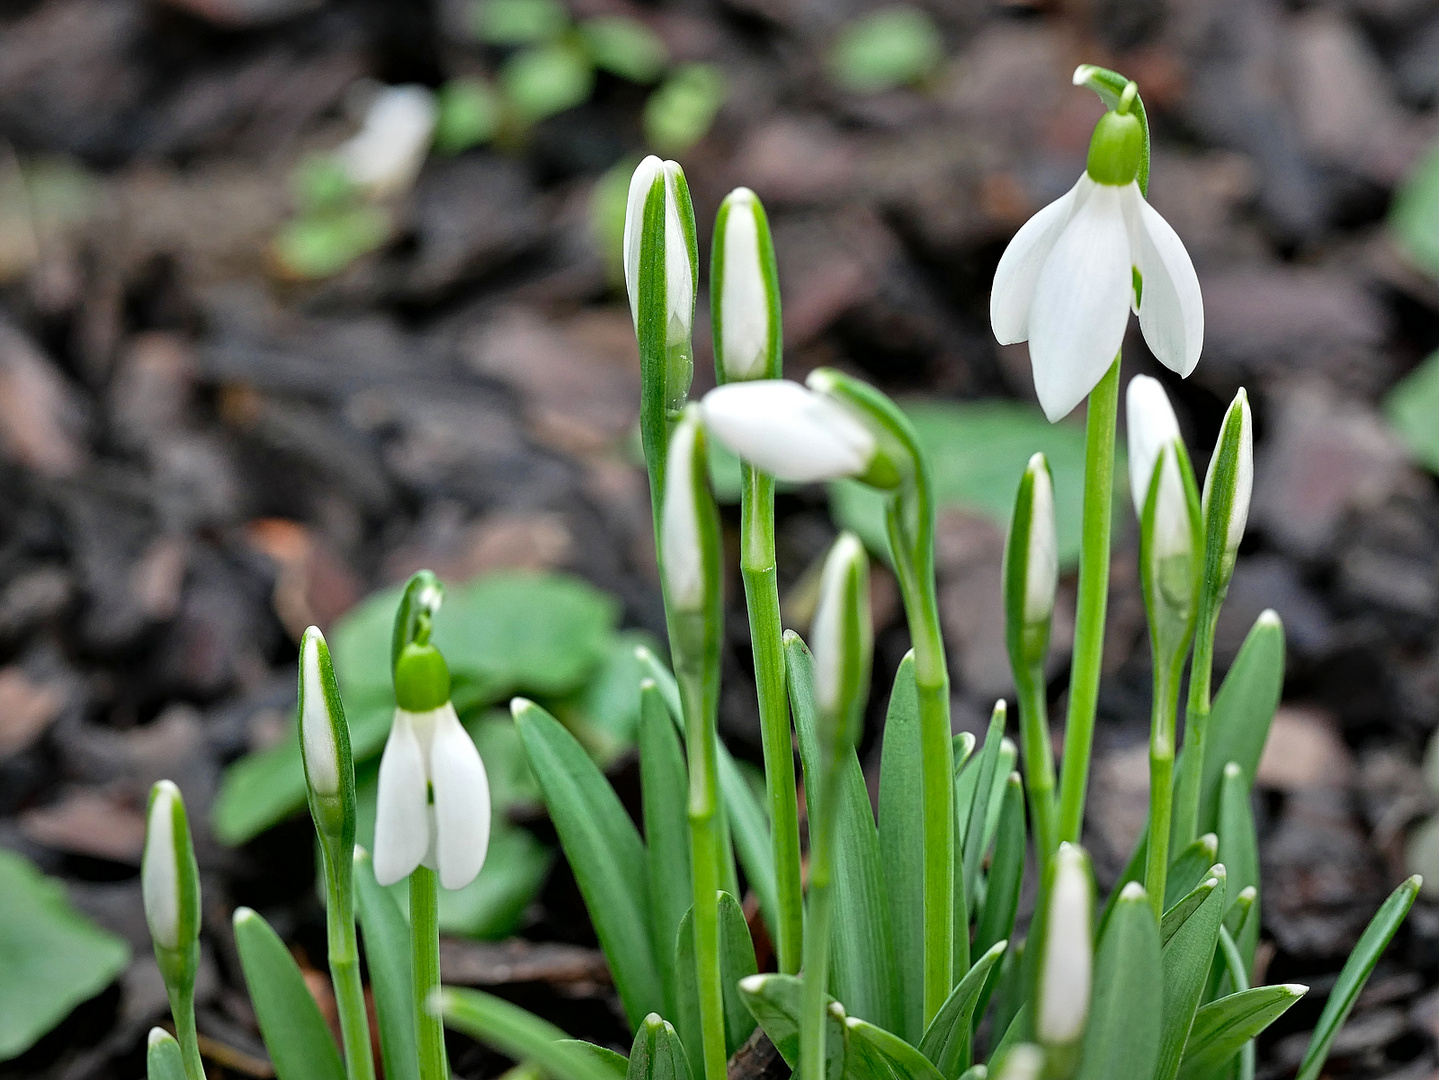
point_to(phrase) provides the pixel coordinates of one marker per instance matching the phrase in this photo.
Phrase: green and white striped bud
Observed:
(662, 270)
(1066, 960)
(843, 643)
(169, 879)
(325, 744)
(689, 522)
(1228, 485)
(744, 291)
(1024, 1061)
(1031, 568)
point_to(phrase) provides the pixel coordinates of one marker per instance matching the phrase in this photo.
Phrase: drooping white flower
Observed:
(748, 315)
(385, 155)
(1068, 279)
(430, 751)
(1239, 426)
(679, 268)
(789, 430)
(682, 557)
(1066, 966)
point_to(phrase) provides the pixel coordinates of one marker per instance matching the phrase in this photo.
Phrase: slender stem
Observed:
(345, 967)
(815, 991)
(761, 589)
(182, 1009)
(1093, 599)
(1196, 722)
(706, 856)
(1038, 763)
(1161, 783)
(425, 963)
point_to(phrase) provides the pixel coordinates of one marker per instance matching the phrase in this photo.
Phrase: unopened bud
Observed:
(745, 290)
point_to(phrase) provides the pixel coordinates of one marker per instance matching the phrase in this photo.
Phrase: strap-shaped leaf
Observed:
(1122, 1037)
(902, 1060)
(986, 766)
(295, 1034)
(386, 935)
(1357, 969)
(604, 850)
(1006, 876)
(1188, 951)
(862, 972)
(901, 822)
(1239, 849)
(775, 1003)
(657, 1053)
(518, 1034)
(1233, 966)
(664, 786)
(1189, 868)
(1223, 1026)
(163, 1059)
(617, 1064)
(737, 962)
(946, 1041)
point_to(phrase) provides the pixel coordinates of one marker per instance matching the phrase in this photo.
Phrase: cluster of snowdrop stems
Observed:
(1156, 986)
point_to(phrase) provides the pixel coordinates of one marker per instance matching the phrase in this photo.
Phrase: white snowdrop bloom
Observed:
(160, 868)
(1066, 966)
(788, 430)
(1069, 278)
(426, 751)
(1242, 479)
(385, 155)
(679, 267)
(746, 316)
(680, 531)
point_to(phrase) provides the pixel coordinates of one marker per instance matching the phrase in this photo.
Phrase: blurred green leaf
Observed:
(163, 1060)
(978, 451)
(1413, 405)
(886, 49)
(321, 244)
(625, 47)
(519, 22)
(680, 111)
(51, 957)
(1414, 216)
(608, 202)
(321, 182)
(469, 114)
(547, 79)
(520, 1034)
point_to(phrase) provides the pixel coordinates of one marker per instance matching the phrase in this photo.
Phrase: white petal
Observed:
(159, 871)
(1042, 565)
(1151, 424)
(1019, 266)
(462, 802)
(317, 734)
(1171, 308)
(1081, 303)
(1068, 952)
(679, 271)
(640, 184)
(387, 152)
(1172, 535)
(788, 431)
(744, 300)
(402, 827)
(682, 557)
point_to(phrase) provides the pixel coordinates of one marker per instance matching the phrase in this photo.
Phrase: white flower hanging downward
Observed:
(792, 432)
(1070, 276)
(429, 754)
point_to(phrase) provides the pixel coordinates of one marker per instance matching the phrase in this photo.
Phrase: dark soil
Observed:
(196, 460)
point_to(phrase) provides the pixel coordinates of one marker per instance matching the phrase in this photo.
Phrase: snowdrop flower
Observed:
(169, 882)
(1031, 565)
(676, 240)
(385, 155)
(1067, 962)
(1231, 471)
(790, 431)
(1069, 277)
(843, 640)
(682, 528)
(745, 289)
(428, 750)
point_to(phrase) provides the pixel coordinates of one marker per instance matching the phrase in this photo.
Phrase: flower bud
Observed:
(788, 431)
(1152, 425)
(689, 524)
(169, 880)
(1024, 1061)
(325, 743)
(1031, 567)
(661, 268)
(1066, 963)
(1230, 481)
(744, 289)
(843, 641)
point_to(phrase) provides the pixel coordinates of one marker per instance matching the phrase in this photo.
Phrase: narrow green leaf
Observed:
(977, 1072)
(1008, 755)
(987, 765)
(1009, 995)
(1239, 849)
(903, 1060)
(946, 1041)
(1239, 911)
(901, 821)
(163, 1059)
(299, 1042)
(657, 1053)
(1233, 965)
(1357, 969)
(617, 1064)
(1122, 1037)
(775, 1001)
(862, 971)
(517, 1033)
(605, 852)
(1006, 871)
(664, 785)
(1188, 952)
(737, 961)
(1190, 868)
(387, 954)
(1223, 1026)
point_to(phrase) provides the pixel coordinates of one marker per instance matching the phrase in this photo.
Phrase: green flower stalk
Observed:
(330, 784)
(744, 301)
(1225, 506)
(843, 638)
(170, 886)
(1031, 575)
(1170, 541)
(661, 277)
(694, 606)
